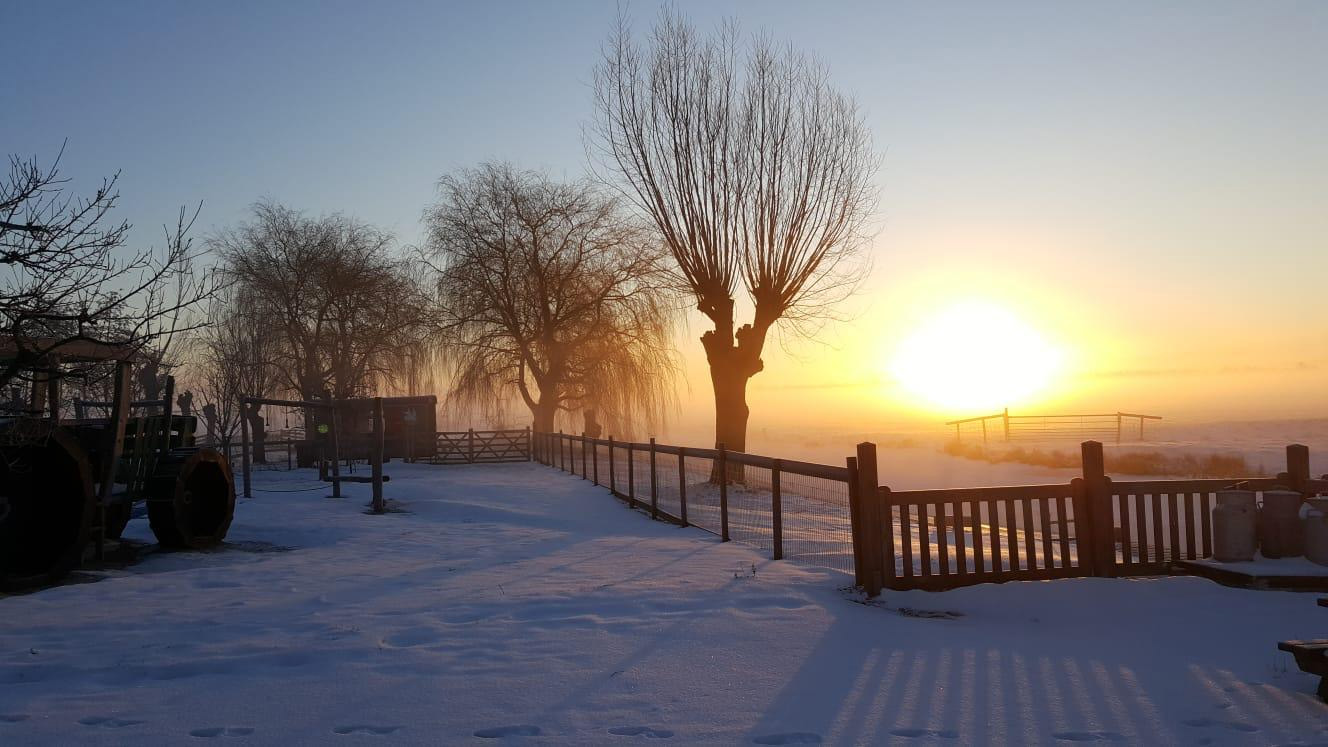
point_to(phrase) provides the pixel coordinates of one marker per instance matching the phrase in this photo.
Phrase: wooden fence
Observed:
(473, 447)
(1091, 526)
(796, 510)
(1120, 426)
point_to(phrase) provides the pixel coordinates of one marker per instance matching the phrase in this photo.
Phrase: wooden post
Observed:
(376, 455)
(723, 494)
(334, 439)
(654, 487)
(166, 416)
(631, 476)
(857, 531)
(1005, 416)
(114, 445)
(682, 484)
(530, 453)
(470, 445)
(53, 390)
(594, 459)
(1093, 529)
(244, 448)
(873, 530)
(776, 511)
(583, 456)
(613, 477)
(1118, 427)
(1298, 465)
(562, 456)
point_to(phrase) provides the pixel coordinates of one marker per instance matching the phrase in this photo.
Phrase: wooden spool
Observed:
(46, 504)
(191, 498)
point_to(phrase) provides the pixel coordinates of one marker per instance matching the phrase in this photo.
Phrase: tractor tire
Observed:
(191, 498)
(46, 504)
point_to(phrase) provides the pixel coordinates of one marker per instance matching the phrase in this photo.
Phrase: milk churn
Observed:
(1280, 532)
(1316, 536)
(1234, 527)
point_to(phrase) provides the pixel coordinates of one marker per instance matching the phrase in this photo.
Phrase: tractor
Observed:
(67, 486)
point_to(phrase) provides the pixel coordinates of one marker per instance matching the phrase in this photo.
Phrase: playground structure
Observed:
(1117, 426)
(65, 484)
(370, 428)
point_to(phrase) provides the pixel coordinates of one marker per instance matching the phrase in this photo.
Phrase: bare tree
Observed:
(73, 283)
(342, 307)
(231, 359)
(753, 169)
(548, 292)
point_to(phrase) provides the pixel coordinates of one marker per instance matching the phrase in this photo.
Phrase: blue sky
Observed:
(1136, 165)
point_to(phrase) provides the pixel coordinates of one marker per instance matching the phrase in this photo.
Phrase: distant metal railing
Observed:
(1103, 426)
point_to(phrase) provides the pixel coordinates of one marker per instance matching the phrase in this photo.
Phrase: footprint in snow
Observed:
(1233, 725)
(640, 731)
(13, 718)
(793, 737)
(222, 731)
(108, 722)
(520, 730)
(1089, 736)
(933, 733)
(366, 729)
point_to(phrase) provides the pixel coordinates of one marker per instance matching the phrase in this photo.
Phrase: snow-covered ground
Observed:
(518, 602)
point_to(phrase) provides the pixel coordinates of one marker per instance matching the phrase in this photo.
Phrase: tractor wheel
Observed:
(191, 498)
(46, 504)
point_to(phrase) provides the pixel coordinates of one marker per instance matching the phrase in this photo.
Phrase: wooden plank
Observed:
(1044, 526)
(998, 564)
(1173, 528)
(1159, 549)
(943, 537)
(924, 539)
(1015, 492)
(905, 536)
(1206, 525)
(1012, 533)
(682, 485)
(1127, 551)
(376, 455)
(1030, 537)
(1190, 543)
(961, 556)
(1063, 529)
(776, 512)
(886, 524)
(1141, 526)
(979, 558)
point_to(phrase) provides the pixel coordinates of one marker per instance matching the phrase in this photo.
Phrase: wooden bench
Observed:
(1312, 658)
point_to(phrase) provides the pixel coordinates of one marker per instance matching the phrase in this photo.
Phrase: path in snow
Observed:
(514, 603)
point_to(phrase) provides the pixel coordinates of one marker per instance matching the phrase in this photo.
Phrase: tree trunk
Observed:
(544, 416)
(734, 358)
(257, 433)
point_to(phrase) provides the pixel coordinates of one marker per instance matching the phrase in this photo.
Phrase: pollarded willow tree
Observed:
(546, 291)
(755, 172)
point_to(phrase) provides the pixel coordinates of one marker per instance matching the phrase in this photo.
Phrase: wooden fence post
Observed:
(857, 531)
(776, 511)
(334, 437)
(872, 532)
(654, 485)
(244, 447)
(583, 456)
(562, 458)
(613, 475)
(631, 476)
(530, 455)
(376, 454)
(594, 458)
(1094, 531)
(723, 493)
(682, 484)
(470, 445)
(1298, 466)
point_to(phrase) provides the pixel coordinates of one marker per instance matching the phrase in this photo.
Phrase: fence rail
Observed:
(1119, 426)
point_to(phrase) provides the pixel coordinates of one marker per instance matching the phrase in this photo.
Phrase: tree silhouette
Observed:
(547, 292)
(755, 172)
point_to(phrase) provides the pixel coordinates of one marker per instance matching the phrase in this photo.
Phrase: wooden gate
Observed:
(472, 446)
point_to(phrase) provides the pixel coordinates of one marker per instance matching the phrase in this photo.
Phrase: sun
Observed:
(975, 356)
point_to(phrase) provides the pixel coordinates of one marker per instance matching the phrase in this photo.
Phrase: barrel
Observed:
(46, 503)
(1280, 532)
(1316, 537)
(1234, 530)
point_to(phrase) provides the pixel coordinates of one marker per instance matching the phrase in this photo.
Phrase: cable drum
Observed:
(46, 504)
(191, 498)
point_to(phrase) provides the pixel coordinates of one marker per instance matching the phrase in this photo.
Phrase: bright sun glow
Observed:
(975, 357)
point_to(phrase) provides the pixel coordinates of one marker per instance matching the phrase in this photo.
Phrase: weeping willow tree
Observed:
(548, 295)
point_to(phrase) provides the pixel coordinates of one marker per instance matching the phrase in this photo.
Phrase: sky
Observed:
(1120, 202)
